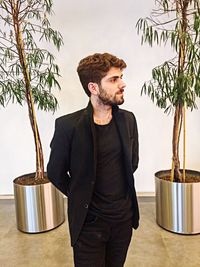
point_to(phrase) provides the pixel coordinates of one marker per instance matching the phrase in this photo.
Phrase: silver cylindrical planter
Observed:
(39, 207)
(178, 204)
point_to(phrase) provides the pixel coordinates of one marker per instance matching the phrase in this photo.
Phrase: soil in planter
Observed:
(29, 179)
(193, 177)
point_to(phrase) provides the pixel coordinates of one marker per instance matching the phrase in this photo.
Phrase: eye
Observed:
(114, 79)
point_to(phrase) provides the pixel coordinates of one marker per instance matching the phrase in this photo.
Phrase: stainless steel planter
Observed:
(39, 208)
(178, 205)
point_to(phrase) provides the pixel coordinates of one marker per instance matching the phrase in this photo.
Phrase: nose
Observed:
(122, 84)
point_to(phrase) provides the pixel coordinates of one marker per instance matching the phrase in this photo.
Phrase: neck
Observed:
(102, 114)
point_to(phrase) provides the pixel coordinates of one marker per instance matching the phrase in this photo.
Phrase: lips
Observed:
(120, 92)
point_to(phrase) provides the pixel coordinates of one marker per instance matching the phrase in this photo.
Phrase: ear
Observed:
(93, 88)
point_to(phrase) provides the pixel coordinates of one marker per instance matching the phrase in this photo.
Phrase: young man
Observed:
(94, 153)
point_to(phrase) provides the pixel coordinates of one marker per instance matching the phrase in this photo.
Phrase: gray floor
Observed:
(151, 246)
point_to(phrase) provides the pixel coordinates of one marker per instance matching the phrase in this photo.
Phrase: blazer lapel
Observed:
(120, 121)
(123, 129)
(91, 127)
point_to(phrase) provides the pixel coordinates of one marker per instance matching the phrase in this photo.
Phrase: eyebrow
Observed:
(115, 76)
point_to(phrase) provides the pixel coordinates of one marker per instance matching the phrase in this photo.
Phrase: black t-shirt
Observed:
(110, 200)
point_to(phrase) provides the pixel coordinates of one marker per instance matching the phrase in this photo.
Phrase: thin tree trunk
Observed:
(175, 143)
(184, 144)
(181, 8)
(29, 98)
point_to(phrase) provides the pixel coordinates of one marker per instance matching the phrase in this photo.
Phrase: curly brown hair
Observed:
(94, 67)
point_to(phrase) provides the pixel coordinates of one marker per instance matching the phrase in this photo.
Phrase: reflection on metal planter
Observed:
(178, 204)
(39, 208)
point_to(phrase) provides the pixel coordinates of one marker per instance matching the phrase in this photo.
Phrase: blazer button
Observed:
(92, 183)
(86, 206)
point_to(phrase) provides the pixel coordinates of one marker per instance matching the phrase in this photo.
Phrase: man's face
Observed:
(112, 87)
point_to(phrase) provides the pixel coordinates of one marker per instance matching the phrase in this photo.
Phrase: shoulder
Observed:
(127, 114)
(70, 118)
(67, 123)
(128, 119)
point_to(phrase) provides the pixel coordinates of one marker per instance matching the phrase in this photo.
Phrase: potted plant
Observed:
(174, 87)
(27, 75)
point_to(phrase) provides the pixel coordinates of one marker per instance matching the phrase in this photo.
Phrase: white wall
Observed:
(97, 26)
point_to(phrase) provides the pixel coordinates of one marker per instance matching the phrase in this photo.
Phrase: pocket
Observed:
(90, 219)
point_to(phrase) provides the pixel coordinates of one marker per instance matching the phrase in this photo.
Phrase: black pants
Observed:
(102, 244)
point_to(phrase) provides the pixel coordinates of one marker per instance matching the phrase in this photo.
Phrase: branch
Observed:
(32, 26)
(23, 10)
(6, 20)
(21, 18)
(3, 69)
(5, 7)
(7, 40)
(161, 23)
(30, 6)
(13, 51)
(160, 12)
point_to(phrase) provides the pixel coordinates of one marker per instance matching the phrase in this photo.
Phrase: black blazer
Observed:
(72, 163)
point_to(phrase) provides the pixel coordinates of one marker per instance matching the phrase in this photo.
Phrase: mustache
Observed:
(120, 91)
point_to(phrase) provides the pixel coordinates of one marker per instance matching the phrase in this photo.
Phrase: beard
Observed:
(111, 100)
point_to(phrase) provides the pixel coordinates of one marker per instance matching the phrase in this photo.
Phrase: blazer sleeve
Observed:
(58, 165)
(135, 146)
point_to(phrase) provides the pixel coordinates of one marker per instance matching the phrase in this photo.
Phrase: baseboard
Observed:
(146, 194)
(6, 197)
(139, 194)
